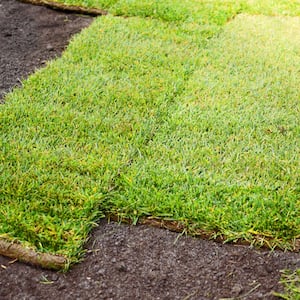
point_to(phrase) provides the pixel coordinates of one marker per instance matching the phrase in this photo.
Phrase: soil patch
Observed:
(122, 261)
(29, 36)
(142, 262)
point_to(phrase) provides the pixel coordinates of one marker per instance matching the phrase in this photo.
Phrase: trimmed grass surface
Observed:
(196, 11)
(188, 121)
(226, 158)
(77, 125)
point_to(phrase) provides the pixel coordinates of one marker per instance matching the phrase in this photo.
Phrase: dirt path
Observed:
(123, 262)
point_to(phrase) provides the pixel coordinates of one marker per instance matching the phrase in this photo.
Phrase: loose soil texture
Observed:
(122, 261)
(29, 36)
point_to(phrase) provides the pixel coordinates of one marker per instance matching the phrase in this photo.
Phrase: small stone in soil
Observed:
(50, 47)
(237, 289)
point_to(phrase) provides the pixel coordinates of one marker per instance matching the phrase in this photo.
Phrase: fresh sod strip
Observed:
(226, 159)
(196, 11)
(78, 124)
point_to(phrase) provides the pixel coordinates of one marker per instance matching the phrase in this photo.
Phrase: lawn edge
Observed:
(16, 250)
(67, 8)
(258, 240)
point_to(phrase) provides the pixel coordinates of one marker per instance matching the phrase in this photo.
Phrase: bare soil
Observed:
(29, 36)
(122, 261)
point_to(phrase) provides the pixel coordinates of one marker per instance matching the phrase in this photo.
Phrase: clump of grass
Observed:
(291, 282)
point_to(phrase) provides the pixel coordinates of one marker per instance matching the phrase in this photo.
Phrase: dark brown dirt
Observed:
(123, 262)
(30, 35)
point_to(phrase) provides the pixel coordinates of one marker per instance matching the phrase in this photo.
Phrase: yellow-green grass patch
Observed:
(197, 11)
(76, 125)
(227, 157)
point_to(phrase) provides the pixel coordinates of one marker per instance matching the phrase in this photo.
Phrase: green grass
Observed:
(226, 157)
(189, 120)
(77, 124)
(291, 282)
(197, 11)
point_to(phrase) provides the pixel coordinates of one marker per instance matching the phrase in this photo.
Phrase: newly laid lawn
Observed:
(196, 11)
(195, 122)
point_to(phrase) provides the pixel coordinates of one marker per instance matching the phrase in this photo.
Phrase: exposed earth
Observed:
(122, 261)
